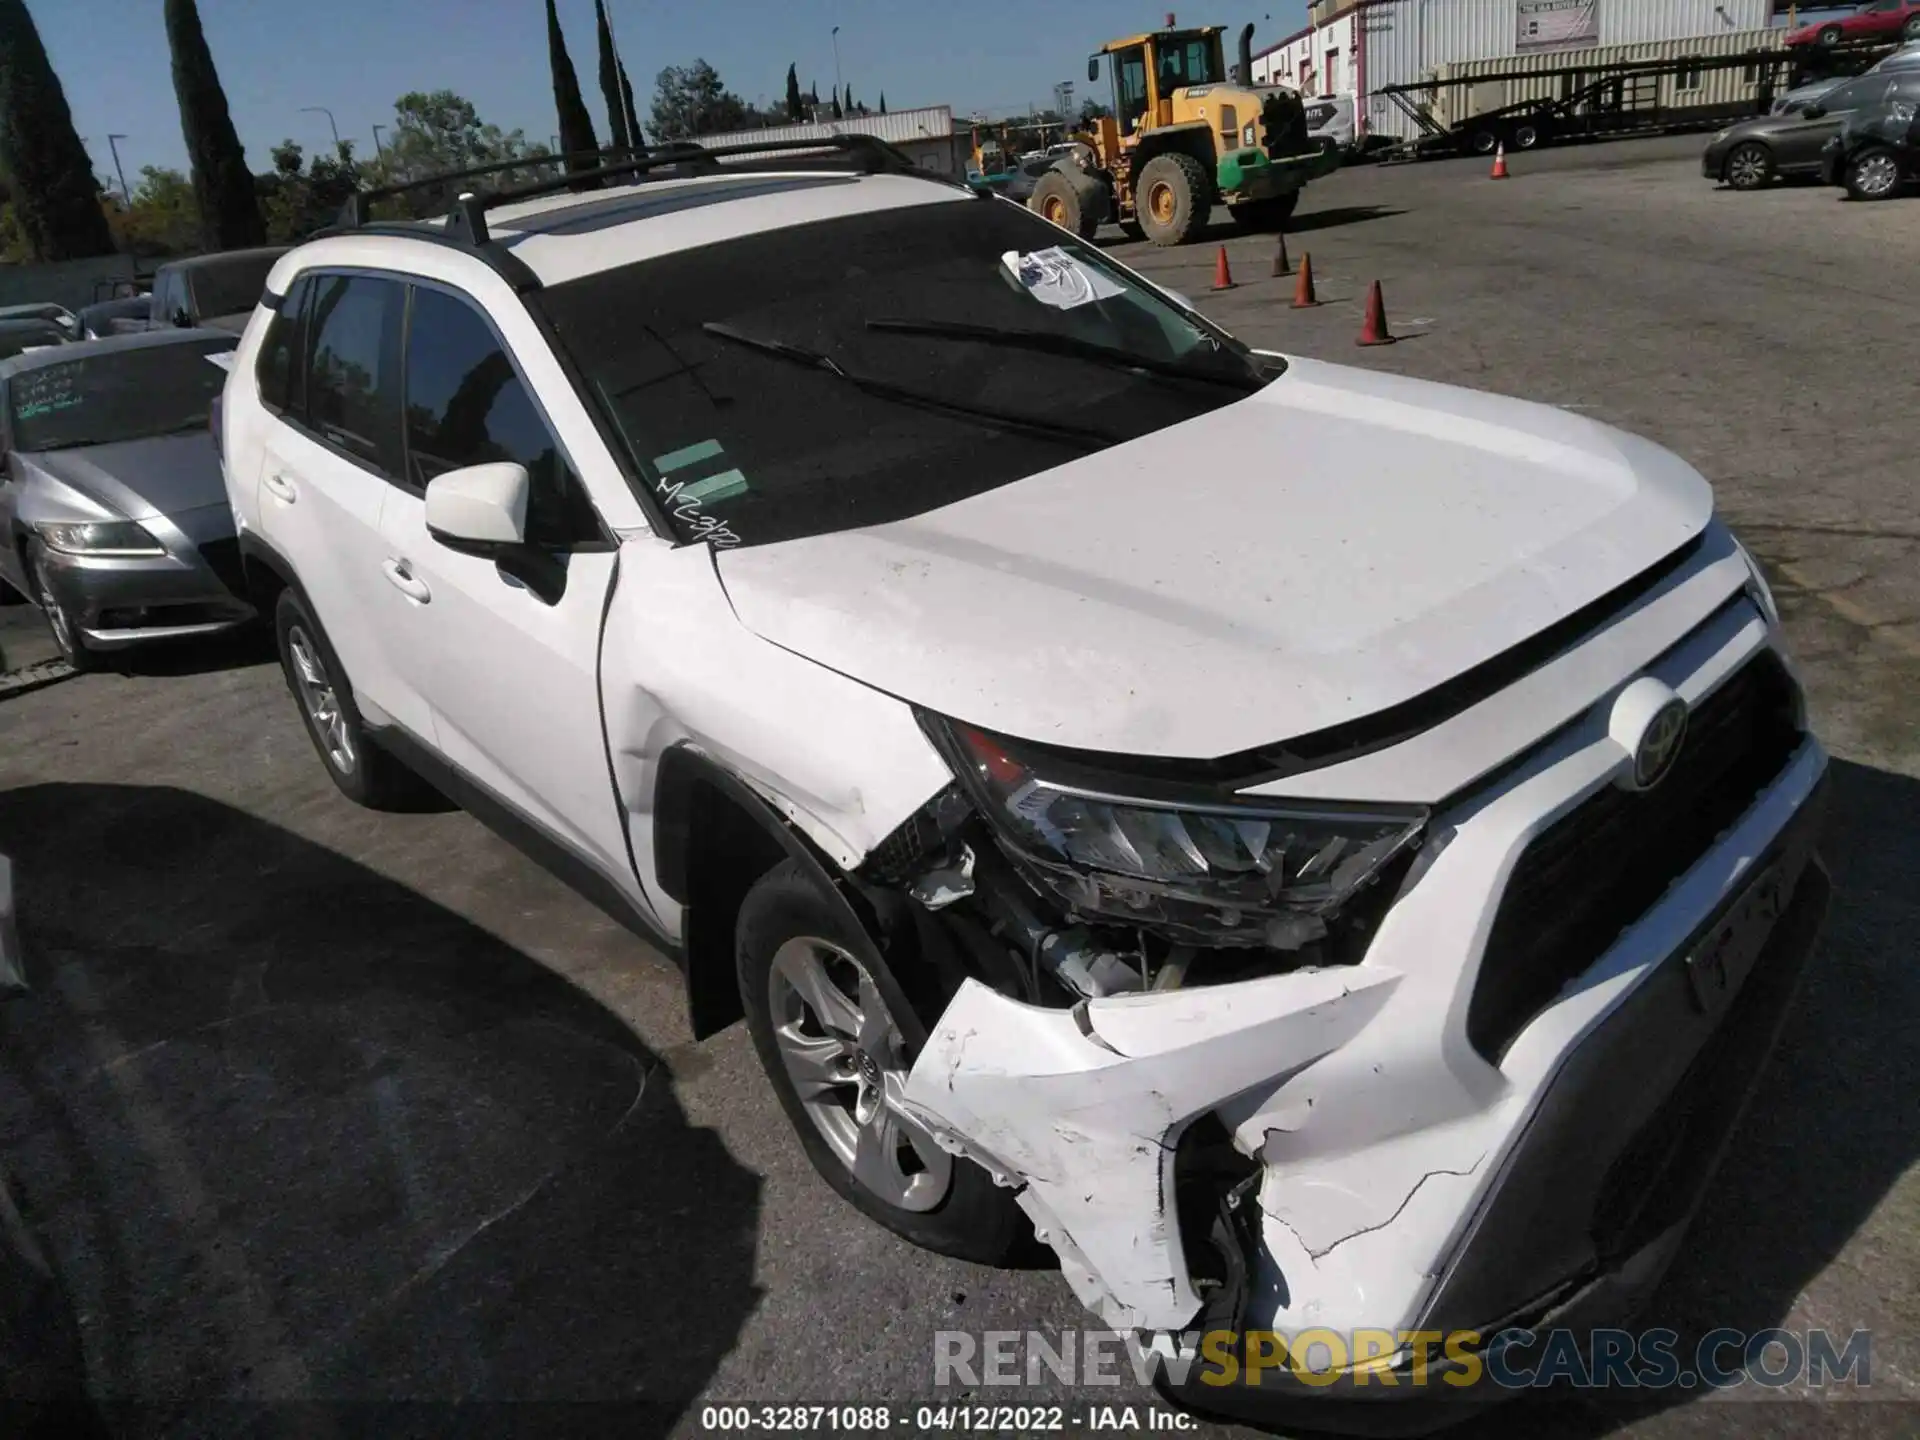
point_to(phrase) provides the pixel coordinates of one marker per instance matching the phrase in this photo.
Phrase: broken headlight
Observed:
(1212, 871)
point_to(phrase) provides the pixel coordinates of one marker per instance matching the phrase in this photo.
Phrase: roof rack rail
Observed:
(467, 215)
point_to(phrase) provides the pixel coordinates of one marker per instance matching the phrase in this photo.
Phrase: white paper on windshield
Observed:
(1053, 277)
(221, 359)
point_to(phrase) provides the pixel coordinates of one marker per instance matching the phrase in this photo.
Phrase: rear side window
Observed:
(279, 370)
(352, 363)
(467, 405)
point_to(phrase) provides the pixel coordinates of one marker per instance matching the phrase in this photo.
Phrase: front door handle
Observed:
(280, 487)
(400, 575)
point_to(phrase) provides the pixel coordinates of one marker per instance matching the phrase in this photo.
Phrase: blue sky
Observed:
(356, 56)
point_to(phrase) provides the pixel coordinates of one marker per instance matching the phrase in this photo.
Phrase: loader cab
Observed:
(1147, 69)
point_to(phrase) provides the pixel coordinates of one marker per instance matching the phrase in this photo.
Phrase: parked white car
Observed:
(1325, 849)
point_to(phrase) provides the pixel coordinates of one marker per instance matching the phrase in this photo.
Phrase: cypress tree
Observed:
(576, 125)
(636, 137)
(222, 185)
(848, 107)
(47, 168)
(836, 105)
(796, 104)
(610, 82)
(883, 102)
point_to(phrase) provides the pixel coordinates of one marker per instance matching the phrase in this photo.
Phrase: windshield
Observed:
(230, 285)
(873, 367)
(18, 338)
(101, 398)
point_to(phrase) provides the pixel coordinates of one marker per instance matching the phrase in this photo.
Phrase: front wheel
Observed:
(1173, 198)
(1830, 35)
(1526, 135)
(60, 620)
(1056, 198)
(837, 1037)
(1484, 142)
(1873, 175)
(1911, 30)
(1749, 167)
(1266, 215)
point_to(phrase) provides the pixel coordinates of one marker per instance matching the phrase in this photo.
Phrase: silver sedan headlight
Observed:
(103, 539)
(1213, 870)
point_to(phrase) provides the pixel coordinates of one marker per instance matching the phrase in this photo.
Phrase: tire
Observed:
(1483, 142)
(1182, 193)
(364, 773)
(1749, 167)
(66, 632)
(1829, 35)
(1266, 215)
(1055, 198)
(1873, 174)
(1911, 30)
(793, 943)
(1526, 135)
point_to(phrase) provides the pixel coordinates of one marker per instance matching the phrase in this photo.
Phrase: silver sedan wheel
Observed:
(1748, 168)
(320, 701)
(1876, 175)
(846, 1059)
(58, 621)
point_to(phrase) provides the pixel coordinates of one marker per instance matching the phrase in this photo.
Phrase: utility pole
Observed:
(322, 110)
(125, 194)
(836, 59)
(378, 148)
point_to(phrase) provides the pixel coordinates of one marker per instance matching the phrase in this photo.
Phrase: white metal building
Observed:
(925, 134)
(1356, 47)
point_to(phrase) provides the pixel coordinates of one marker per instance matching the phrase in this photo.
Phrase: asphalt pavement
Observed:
(318, 1105)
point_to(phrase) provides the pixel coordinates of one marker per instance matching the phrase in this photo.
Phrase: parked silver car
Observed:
(1756, 152)
(1814, 91)
(113, 513)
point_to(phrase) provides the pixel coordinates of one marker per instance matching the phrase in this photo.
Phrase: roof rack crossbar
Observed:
(356, 211)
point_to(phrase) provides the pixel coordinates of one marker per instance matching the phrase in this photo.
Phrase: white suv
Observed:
(1332, 850)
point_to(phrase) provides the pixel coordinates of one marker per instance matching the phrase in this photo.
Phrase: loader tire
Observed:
(1056, 198)
(1174, 199)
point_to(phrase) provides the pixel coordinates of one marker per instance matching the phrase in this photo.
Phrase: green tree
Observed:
(690, 100)
(299, 198)
(813, 95)
(439, 132)
(576, 126)
(883, 102)
(796, 103)
(634, 132)
(610, 82)
(229, 208)
(849, 107)
(1092, 110)
(54, 198)
(835, 109)
(163, 218)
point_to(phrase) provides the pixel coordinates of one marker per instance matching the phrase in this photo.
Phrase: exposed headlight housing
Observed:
(1209, 871)
(109, 539)
(1758, 588)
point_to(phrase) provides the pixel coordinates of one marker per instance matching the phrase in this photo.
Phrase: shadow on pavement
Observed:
(300, 1141)
(1338, 215)
(1828, 1134)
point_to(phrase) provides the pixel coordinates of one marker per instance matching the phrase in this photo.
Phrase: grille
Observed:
(1602, 866)
(223, 558)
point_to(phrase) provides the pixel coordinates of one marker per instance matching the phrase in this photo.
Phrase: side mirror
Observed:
(1093, 67)
(1813, 111)
(481, 510)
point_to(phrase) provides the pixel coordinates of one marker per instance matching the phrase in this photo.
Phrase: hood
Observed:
(1339, 543)
(166, 475)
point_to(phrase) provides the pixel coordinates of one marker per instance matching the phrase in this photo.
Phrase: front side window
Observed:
(876, 366)
(106, 397)
(279, 370)
(352, 357)
(467, 405)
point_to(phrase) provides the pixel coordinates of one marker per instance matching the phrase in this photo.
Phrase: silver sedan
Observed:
(113, 515)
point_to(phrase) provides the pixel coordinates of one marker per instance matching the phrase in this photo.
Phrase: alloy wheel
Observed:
(1876, 175)
(846, 1059)
(58, 621)
(321, 702)
(1747, 169)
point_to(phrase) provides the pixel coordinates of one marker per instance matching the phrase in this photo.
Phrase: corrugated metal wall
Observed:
(1722, 87)
(926, 134)
(1411, 40)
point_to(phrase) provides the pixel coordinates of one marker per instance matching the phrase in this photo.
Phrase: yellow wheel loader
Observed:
(1182, 139)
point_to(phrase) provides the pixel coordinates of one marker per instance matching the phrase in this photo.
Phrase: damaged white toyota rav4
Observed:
(1325, 850)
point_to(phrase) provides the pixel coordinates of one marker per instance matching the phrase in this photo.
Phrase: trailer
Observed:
(1609, 101)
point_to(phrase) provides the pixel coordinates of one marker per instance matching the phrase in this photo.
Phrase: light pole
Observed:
(125, 193)
(378, 148)
(322, 110)
(836, 59)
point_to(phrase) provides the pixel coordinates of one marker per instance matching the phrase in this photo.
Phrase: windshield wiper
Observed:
(815, 360)
(1048, 343)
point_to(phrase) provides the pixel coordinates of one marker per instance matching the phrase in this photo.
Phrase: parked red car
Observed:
(1875, 20)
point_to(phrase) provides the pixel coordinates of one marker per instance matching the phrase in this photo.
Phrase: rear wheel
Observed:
(1268, 215)
(1526, 135)
(1911, 30)
(1483, 142)
(1749, 167)
(1055, 198)
(1173, 198)
(837, 1038)
(60, 620)
(1873, 174)
(1830, 35)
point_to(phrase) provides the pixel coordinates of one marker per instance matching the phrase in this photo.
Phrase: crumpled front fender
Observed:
(1082, 1108)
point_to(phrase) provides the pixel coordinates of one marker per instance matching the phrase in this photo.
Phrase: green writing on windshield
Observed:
(47, 407)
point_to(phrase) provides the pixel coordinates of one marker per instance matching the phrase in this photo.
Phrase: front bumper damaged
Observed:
(1396, 1181)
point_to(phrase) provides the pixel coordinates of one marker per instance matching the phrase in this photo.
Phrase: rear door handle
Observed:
(400, 575)
(280, 487)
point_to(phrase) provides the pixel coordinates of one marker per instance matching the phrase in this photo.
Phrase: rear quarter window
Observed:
(279, 371)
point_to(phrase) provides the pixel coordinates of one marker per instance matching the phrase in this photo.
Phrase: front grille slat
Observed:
(1598, 869)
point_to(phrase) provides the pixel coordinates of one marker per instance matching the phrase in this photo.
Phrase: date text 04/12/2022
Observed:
(941, 1419)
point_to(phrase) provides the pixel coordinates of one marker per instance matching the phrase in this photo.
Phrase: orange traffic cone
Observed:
(1303, 296)
(1500, 161)
(1222, 273)
(1281, 264)
(1374, 331)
